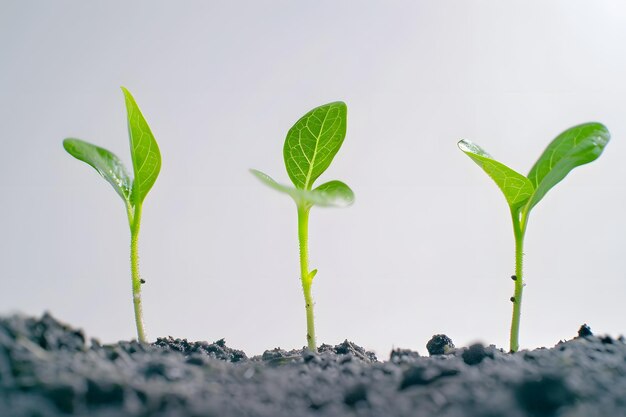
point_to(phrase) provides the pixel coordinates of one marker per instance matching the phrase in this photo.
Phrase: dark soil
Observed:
(47, 369)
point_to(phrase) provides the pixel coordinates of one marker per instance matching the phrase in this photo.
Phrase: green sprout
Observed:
(576, 146)
(310, 147)
(146, 166)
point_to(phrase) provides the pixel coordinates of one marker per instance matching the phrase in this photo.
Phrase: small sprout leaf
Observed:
(312, 274)
(105, 162)
(313, 142)
(332, 194)
(144, 150)
(576, 146)
(517, 188)
(269, 181)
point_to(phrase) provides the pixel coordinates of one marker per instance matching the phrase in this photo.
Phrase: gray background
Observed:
(428, 245)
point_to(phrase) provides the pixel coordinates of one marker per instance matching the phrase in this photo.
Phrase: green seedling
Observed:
(146, 166)
(576, 146)
(310, 147)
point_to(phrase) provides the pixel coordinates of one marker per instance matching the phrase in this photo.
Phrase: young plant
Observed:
(310, 147)
(576, 146)
(146, 166)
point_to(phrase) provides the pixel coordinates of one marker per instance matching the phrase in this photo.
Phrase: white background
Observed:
(427, 247)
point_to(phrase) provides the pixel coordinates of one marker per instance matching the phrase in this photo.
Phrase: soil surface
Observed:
(48, 369)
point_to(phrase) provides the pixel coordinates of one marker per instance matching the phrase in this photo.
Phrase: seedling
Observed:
(576, 146)
(310, 147)
(146, 166)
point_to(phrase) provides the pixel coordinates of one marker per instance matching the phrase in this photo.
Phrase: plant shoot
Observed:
(576, 146)
(146, 166)
(310, 147)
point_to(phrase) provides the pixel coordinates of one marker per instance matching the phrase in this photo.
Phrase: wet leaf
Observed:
(517, 189)
(105, 162)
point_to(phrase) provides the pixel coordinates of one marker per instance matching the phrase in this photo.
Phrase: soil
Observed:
(47, 369)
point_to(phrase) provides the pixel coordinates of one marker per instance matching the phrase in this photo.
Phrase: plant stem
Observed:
(305, 276)
(519, 229)
(135, 220)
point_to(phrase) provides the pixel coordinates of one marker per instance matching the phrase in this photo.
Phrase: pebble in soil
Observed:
(48, 370)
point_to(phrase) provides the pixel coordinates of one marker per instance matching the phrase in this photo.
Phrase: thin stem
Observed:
(519, 229)
(135, 221)
(305, 276)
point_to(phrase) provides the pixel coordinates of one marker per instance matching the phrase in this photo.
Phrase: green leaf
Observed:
(144, 150)
(333, 193)
(330, 194)
(269, 181)
(517, 188)
(576, 146)
(105, 162)
(313, 142)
